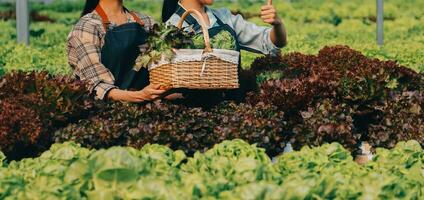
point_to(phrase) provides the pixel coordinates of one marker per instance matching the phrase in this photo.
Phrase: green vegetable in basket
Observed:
(162, 39)
(223, 40)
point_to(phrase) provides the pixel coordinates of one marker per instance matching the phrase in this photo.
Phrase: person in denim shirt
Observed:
(249, 36)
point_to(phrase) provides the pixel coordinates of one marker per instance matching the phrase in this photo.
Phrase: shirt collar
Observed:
(130, 18)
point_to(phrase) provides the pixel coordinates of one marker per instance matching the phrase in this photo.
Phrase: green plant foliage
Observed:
(223, 40)
(329, 172)
(230, 170)
(47, 51)
(310, 96)
(311, 25)
(164, 38)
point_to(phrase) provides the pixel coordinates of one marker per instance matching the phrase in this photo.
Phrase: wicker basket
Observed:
(198, 68)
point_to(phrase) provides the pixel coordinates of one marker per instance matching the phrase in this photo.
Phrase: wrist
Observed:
(277, 22)
(113, 94)
(141, 95)
(119, 95)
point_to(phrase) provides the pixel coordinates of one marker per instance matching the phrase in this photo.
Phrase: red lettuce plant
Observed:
(51, 103)
(19, 126)
(179, 127)
(401, 118)
(338, 95)
(349, 84)
(327, 122)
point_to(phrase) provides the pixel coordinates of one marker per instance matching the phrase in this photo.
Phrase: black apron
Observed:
(209, 98)
(120, 51)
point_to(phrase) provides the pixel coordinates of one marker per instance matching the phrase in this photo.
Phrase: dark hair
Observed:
(90, 5)
(168, 9)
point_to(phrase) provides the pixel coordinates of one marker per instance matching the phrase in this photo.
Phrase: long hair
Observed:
(168, 9)
(90, 5)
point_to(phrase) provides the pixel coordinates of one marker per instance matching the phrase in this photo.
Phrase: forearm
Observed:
(126, 96)
(278, 34)
(149, 93)
(118, 95)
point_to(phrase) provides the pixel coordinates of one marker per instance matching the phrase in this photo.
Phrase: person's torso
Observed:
(121, 49)
(118, 46)
(219, 24)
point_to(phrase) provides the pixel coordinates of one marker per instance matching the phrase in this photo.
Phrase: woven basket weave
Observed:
(198, 69)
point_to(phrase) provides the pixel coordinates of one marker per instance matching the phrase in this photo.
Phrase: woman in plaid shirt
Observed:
(103, 47)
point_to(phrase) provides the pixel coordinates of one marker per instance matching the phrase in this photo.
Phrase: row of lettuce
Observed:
(318, 10)
(338, 95)
(230, 170)
(339, 22)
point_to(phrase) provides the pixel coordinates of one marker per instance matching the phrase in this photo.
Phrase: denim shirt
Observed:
(251, 37)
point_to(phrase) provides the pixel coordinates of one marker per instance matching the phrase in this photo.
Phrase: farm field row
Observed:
(311, 25)
(339, 95)
(230, 170)
(305, 117)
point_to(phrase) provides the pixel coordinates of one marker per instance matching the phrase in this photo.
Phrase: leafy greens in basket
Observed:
(223, 40)
(163, 38)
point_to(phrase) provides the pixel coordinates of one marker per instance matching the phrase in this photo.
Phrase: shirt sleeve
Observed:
(251, 36)
(86, 42)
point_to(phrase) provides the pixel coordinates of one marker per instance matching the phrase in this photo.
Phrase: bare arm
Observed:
(278, 34)
(149, 93)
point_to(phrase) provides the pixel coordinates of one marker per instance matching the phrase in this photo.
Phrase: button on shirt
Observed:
(251, 37)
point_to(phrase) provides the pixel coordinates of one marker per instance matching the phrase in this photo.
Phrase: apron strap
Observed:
(105, 19)
(218, 20)
(137, 19)
(191, 21)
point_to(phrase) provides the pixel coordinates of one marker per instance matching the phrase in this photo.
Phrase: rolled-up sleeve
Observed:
(251, 36)
(84, 53)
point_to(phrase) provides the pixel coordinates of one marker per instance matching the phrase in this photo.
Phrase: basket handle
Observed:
(202, 24)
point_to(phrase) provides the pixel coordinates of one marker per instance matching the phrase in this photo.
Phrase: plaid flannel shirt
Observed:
(84, 52)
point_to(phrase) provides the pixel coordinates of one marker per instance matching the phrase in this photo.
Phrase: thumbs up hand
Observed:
(269, 14)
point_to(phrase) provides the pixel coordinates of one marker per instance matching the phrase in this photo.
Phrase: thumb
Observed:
(269, 2)
(154, 86)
